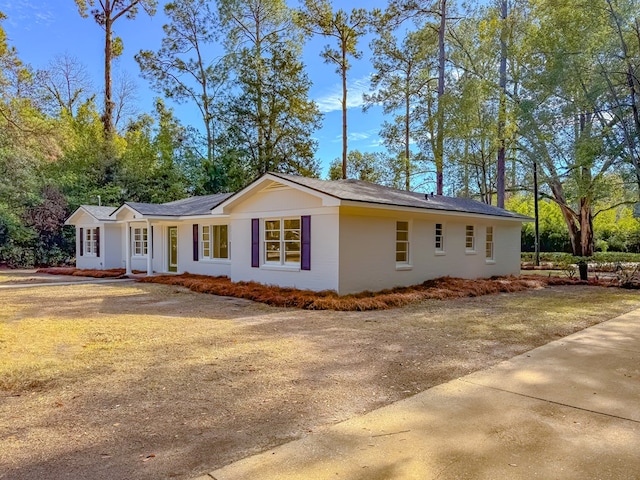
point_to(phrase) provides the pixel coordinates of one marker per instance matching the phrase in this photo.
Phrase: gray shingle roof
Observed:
(360, 191)
(200, 205)
(100, 213)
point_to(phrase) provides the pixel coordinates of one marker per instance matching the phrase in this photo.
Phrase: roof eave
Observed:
(224, 207)
(78, 210)
(425, 209)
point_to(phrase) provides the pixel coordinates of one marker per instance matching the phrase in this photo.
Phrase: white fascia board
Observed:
(83, 211)
(137, 216)
(225, 207)
(141, 217)
(70, 220)
(189, 218)
(175, 218)
(288, 213)
(124, 207)
(452, 213)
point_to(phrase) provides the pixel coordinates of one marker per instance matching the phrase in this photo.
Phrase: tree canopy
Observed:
(474, 98)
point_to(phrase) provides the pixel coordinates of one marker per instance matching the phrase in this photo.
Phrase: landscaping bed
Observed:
(77, 272)
(438, 289)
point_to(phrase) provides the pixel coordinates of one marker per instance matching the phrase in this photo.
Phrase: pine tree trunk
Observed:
(344, 114)
(439, 153)
(465, 179)
(502, 109)
(107, 118)
(407, 150)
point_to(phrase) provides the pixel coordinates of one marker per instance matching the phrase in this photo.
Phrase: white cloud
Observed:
(26, 12)
(359, 136)
(352, 137)
(377, 142)
(332, 100)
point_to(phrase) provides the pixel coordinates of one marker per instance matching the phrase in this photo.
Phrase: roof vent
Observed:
(274, 186)
(426, 196)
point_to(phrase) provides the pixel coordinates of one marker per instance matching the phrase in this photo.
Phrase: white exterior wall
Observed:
(138, 262)
(368, 247)
(89, 262)
(111, 255)
(323, 274)
(160, 249)
(213, 267)
(507, 238)
(283, 203)
(159, 253)
(111, 246)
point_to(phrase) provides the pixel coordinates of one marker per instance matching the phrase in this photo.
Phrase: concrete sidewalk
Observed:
(567, 410)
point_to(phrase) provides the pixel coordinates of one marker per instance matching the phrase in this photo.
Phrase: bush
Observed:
(16, 256)
(612, 257)
(552, 257)
(561, 260)
(601, 245)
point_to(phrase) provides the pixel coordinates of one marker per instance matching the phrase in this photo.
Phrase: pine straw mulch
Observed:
(76, 272)
(438, 289)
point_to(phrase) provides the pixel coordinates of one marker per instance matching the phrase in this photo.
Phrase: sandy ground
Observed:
(198, 381)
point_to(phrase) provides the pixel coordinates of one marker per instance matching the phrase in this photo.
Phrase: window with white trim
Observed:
(470, 239)
(90, 242)
(282, 245)
(214, 242)
(140, 241)
(402, 242)
(489, 244)
(439, 239)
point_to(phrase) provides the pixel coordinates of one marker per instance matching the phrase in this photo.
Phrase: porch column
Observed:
(127, 247)
(149, 249)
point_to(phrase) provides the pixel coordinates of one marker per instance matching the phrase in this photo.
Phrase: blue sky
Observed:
(42, 29)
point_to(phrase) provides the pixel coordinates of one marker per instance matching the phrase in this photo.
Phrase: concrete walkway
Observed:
(53, 283)
(31, 278)
(567, 410)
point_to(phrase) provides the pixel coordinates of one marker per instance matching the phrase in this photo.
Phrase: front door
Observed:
(173, 249)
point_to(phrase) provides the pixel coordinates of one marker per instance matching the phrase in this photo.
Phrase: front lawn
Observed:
(151, 381)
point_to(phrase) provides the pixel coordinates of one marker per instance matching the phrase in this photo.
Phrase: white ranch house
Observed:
(345, 235)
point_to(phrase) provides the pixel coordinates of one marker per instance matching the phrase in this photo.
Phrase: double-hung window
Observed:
(470, 239)
(402, 242)
(489, 245)
(439, 238)
(282, 245)
(90, 242)
(215, 242)
(140, 241)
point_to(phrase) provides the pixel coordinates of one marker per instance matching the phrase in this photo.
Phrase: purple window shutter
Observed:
(306, 243)
(153, 244)
(97, 241)
(255, 242)
(195, 242)
(81, 241)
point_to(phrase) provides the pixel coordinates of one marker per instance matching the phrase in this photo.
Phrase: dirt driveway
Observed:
(133, 381)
